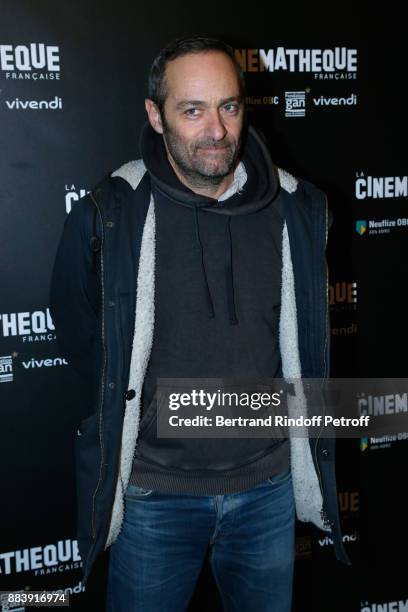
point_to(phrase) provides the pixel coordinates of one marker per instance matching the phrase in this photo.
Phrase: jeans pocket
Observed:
(280, 478)
(136, 492)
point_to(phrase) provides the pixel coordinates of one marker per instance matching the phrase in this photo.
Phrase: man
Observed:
(201, 260)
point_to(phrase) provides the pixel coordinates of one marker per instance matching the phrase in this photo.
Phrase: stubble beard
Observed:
(201, 170)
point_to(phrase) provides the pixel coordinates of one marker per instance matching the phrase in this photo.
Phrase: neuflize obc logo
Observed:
(379, 227)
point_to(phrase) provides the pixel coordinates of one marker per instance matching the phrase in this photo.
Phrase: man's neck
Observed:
(207, 190)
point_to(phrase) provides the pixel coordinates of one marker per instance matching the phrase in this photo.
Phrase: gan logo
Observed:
(35, 61)
(5, 604)
(337, 63)
(31, 326)
(361, 227)
(295, 103)
(42, 560)
(380, 187)
(6, 368)
(72, 194)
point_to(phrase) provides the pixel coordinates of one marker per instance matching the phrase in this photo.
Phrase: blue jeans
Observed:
(155, 562)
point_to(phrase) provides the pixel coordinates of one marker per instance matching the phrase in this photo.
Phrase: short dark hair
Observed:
(157, 89)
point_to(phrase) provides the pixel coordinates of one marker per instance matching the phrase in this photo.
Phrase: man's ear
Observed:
(153, 115)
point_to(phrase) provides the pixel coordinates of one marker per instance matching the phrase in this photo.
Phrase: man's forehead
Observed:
(193, 73)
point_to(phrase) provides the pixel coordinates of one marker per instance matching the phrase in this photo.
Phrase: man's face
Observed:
(203, 116)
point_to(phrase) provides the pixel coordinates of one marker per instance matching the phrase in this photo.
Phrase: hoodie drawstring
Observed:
(210, 305)
(228, 273)
(230, 280)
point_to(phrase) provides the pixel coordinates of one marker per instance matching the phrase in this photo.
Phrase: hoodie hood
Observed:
(260, 189)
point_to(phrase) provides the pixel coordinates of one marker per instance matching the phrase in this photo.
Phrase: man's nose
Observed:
(215, 126)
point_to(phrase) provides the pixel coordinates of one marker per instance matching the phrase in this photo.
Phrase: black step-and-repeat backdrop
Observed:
(327, 90)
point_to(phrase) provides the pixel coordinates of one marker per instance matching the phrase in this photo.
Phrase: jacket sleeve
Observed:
(75, 289)
(330, 220)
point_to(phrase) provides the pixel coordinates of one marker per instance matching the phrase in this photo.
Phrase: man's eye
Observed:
(231, 108)
(192, 112)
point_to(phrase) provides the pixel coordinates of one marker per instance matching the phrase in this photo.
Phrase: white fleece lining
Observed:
(308, 498)
(287, 181)
(132, 172)
(142, 344)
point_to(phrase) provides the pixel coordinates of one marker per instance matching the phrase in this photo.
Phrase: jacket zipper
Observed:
(327, 289)
(103, 368)
(102, 380)
(323, 513)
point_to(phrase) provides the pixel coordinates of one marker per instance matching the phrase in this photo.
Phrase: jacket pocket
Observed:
(134, 492)
(280, 478)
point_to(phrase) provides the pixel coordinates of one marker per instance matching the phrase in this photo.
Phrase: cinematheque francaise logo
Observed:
(30, 62)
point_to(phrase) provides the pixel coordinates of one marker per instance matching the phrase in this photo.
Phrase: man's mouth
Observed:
(214, 149)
